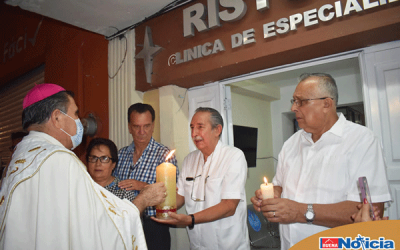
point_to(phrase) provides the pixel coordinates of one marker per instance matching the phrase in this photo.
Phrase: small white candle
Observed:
(267, 189)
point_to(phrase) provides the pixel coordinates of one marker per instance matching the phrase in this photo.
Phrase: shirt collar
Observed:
(216, 149)
(336, 129)
(114, 183)
(149, 146)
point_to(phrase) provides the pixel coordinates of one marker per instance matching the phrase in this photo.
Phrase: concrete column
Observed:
(174, 133)
(174, 123)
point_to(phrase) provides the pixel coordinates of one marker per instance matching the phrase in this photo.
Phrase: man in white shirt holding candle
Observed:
(212, 185)
(315, 184)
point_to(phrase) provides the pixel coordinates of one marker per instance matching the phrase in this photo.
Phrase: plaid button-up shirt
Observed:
(145, 168)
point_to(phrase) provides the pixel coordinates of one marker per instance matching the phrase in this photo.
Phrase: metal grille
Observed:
(11, 97)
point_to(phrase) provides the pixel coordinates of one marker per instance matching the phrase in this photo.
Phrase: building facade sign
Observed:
(193, 18)
(17, 45)
(216, 39)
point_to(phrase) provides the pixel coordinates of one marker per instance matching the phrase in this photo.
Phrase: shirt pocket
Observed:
(213, 191)
(333, 182)
(188, 188)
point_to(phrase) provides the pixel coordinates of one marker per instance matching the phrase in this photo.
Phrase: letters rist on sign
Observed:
(194, 16)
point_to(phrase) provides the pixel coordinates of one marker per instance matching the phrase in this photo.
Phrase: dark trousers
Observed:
(157, 235)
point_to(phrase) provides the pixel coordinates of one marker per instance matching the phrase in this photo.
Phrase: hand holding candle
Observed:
(267, 189)
(166, 172)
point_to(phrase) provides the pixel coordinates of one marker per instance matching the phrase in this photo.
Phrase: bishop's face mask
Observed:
(77, 138)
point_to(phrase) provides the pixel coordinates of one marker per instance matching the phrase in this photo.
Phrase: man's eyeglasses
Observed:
(103, 159)
(299, 102)
(200, 183)
(203, 198)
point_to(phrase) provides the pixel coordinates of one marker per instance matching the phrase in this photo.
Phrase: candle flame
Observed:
(265, 180)
(170, 155)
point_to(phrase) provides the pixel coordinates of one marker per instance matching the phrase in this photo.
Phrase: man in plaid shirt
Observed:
(136, 168)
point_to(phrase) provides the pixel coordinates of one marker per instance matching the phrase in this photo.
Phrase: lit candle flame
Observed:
(170, 155)
(265, 180)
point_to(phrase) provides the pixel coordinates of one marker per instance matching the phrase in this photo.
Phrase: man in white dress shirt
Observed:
(212, 185)
(48, 200)
(315, 184)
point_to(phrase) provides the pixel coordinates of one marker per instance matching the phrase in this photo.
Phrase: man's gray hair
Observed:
(326, 83)
(215, 117)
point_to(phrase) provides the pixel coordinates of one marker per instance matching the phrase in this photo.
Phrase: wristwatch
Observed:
(310, 215)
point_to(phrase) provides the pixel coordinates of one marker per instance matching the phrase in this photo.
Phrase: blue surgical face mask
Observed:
(77, 138)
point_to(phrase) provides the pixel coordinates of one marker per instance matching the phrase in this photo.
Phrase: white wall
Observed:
(252, 112)
(174, 120)
(152, 98)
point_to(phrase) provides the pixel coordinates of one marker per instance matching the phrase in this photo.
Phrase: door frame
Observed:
(278, 142)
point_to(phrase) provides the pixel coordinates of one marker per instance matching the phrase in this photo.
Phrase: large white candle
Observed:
(267, 189)
(166, 172)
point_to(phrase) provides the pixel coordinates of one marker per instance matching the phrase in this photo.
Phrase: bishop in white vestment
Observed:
(48, 200)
